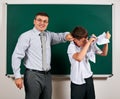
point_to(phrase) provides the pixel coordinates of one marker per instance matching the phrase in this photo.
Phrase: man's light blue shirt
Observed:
(29, 48)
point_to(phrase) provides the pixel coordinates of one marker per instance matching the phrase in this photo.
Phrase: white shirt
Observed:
(29, 48)
(79, 70)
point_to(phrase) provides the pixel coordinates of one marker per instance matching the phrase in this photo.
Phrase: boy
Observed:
(82, 86)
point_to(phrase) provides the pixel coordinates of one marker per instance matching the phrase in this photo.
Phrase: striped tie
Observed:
(43, 46)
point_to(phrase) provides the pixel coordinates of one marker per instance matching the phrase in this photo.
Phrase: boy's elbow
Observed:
(104, 54)
(78, 59)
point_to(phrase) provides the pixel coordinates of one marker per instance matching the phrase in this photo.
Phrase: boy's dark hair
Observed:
(41, 14)
(79, 32)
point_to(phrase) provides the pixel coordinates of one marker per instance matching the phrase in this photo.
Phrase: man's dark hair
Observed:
(41, 14)
(79, 32)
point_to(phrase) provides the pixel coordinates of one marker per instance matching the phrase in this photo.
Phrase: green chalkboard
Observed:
(63, 17)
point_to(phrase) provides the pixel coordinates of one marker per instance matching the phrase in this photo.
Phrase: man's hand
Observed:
(69, 37)
(19, 82)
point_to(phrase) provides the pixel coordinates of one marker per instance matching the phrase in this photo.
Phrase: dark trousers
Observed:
(37, 85)
(84, 91)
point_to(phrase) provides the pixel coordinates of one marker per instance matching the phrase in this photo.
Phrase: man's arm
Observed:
(60, 37)
(17, 56)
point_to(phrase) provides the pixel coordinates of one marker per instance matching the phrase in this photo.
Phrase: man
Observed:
(79, 52)
(37, 78)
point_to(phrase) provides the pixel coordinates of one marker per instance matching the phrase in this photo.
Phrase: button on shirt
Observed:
(79, 70)
(29, 48)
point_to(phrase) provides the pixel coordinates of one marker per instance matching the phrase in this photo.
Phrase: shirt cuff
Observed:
(17, 76)
(65, 35)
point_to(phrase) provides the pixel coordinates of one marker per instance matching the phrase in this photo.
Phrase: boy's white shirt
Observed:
(80, 70)
(93, 49)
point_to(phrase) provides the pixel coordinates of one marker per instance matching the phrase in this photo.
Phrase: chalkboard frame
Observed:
(66, 27)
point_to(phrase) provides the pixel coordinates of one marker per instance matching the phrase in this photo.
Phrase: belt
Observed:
(42, 72)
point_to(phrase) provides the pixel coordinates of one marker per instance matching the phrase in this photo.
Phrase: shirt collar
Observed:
(36, 31)
(75, 45)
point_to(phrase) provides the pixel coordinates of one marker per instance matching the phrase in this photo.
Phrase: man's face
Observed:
(41, 23)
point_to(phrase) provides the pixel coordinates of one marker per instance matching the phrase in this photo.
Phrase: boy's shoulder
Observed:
(71, 45)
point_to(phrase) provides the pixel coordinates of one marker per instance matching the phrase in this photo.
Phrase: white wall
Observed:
(105, 89)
